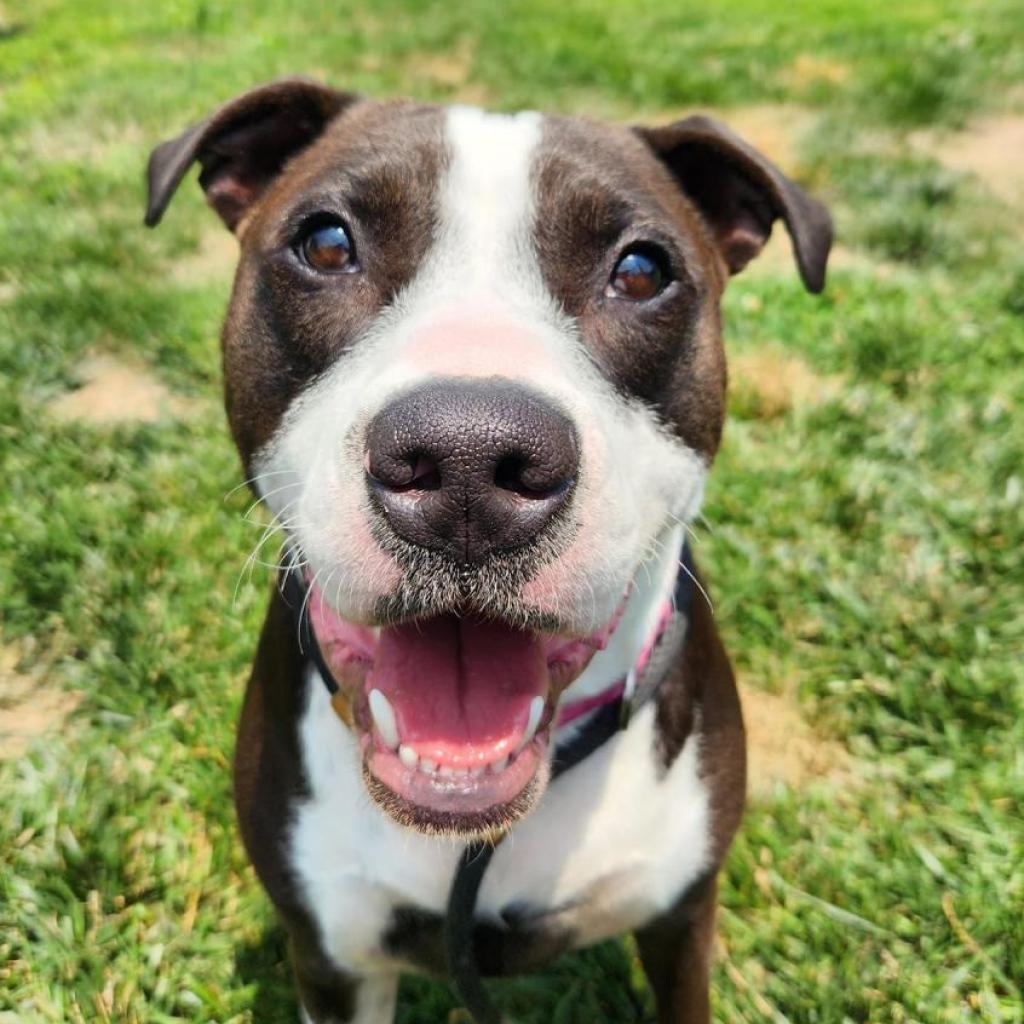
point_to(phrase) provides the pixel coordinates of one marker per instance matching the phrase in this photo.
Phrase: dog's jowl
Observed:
(473, 366)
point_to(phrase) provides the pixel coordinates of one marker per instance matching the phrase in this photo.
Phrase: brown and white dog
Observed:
(473, 366)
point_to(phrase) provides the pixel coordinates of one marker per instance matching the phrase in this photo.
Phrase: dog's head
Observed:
(473, 365)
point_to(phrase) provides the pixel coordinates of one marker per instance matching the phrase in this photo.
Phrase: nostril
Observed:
(507, 474)
(515, 474)
(426, 474)
(415, 472)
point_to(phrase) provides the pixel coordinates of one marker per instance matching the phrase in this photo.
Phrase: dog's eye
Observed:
(327, 248)
(639, 275)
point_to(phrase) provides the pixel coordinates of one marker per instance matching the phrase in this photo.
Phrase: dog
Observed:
(473, 367)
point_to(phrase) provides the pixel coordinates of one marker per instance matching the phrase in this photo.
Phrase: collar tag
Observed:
(342, 706)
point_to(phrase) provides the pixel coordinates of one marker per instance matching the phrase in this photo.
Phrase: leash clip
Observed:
(628, 693)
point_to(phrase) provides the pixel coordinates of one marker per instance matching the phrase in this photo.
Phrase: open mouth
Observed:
(453, 713)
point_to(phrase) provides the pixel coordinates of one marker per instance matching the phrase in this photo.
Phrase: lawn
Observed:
(863, 532)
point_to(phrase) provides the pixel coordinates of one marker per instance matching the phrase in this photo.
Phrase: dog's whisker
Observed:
(304, 607)
(263, 501)
(323, 590)
(252, 480)
(699, 586)
(271, 529)
(278, 521)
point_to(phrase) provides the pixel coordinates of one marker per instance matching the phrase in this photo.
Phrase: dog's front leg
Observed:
(330, 996)
(676, 954)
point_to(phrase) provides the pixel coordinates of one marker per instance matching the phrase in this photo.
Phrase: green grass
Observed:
(864, 548)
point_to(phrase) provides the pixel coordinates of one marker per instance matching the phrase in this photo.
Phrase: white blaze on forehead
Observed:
(486, 200)
(477, 305)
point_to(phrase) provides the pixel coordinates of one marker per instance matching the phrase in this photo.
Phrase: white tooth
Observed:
(446, 772)
(428, 766)
(384, 718)
(499, 766)
(408, 756)
(476, 771)
(536, 710)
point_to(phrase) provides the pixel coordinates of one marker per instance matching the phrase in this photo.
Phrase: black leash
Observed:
(604, 723)
(460, 950)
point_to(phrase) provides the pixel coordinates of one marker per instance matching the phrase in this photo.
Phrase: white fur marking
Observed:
(615, 826)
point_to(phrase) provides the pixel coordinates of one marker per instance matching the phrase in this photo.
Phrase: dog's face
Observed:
(473, 364)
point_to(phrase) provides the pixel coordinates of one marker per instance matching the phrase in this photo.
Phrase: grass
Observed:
(864, 539)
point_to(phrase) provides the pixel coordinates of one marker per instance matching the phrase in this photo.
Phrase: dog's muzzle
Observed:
(470, 468)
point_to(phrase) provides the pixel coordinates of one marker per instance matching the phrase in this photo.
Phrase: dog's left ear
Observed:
(740, 194)
(243, 146)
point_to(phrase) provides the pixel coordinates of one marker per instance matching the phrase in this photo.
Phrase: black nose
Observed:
(470, 467)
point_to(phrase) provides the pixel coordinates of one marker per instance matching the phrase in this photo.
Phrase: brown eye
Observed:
(327, 248)
(638, 275)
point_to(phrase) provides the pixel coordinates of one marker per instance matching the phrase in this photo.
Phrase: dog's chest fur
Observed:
(640, 835)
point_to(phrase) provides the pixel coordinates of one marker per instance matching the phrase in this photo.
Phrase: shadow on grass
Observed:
(596, 985)
(264, 967)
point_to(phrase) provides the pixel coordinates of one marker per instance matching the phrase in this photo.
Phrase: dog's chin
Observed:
(456, 808)
(452, 713)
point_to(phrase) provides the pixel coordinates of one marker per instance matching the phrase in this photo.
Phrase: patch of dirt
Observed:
(776, 258)
(85, 142)
(769, 382)
(782, 748)
(449, 70)
(810, 69)
(114, 391)
(30, 707)
(449, 67)
(215, 259)
(990, 149)
(774, 128)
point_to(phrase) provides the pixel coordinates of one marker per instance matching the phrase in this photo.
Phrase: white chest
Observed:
(614, 835)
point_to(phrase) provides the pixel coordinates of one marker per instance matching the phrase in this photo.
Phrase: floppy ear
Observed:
(242, 146)
(740, 194)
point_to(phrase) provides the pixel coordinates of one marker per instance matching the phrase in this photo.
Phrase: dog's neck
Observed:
(629, 645)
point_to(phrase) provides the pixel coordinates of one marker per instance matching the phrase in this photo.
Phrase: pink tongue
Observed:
(459, 683)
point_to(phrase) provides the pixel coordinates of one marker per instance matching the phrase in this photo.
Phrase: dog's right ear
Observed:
(242, 146)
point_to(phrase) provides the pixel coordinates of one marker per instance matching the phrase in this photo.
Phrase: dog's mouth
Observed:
(453, 713)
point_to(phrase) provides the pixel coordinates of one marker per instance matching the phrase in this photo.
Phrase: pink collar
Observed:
(577, 708)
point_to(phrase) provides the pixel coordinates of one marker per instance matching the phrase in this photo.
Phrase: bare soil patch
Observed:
(114, 391)
(89, 142)
(446, 67)
(991, 149)
(783, 749)
(769, 382)
(215, 259)
(774, 128)
(450, 71)
(810, 69)
(30, 706)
